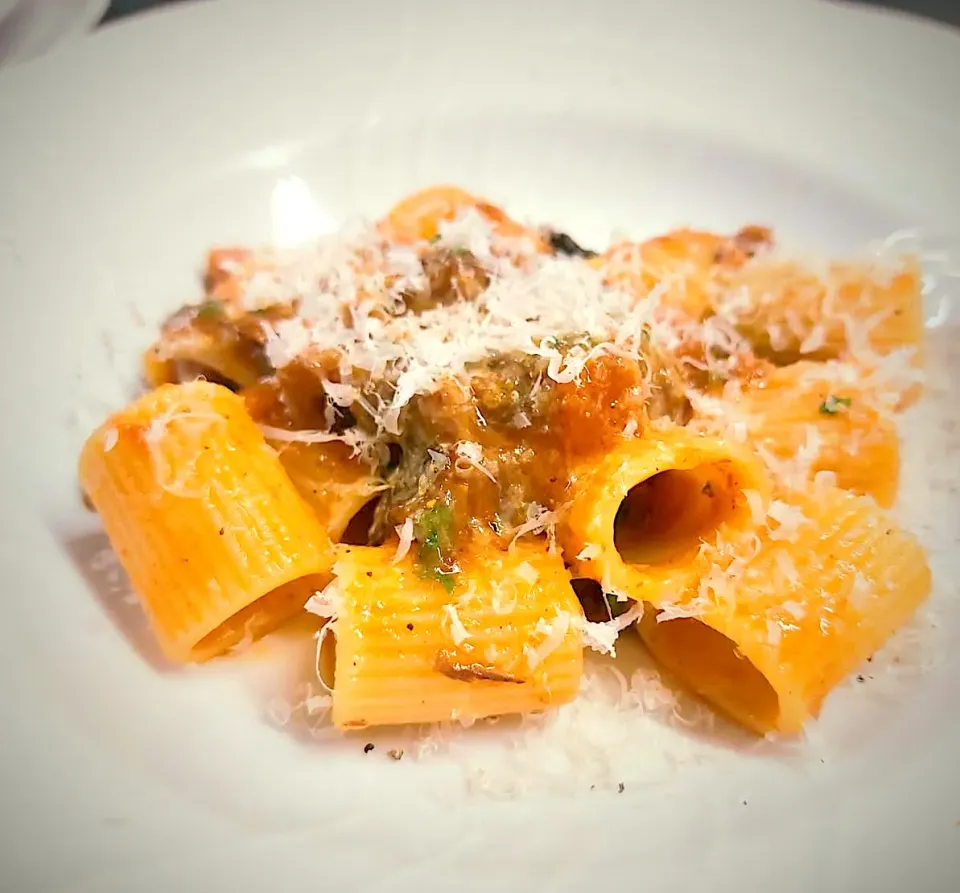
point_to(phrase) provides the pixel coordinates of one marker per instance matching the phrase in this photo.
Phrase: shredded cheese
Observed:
(589, 552)
(553, 633)
(405, 532)
(470, 455)
(458, 631)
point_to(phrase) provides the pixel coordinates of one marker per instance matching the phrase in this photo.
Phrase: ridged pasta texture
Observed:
(782, 614)
(826, 409)
(793, 312)
(506, 640)
(217, 542)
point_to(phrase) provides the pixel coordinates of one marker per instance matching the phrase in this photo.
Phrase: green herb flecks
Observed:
(834, 404)
(570, 340)
(210, 311)
(615, 605)
(433, 529)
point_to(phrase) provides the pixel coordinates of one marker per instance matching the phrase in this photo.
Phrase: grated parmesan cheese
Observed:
(589, 552)
(789, 519)
(470, 455)
(758, 510)
(553, 633)
(527, 572)
(539, 519)
(458, 631)
(405, 532)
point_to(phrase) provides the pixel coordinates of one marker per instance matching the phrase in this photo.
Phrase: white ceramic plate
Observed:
(123, 158)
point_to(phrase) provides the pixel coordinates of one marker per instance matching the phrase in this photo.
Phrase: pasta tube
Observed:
(506, 641)
(336, 487)
(213, 535)
(781, 618)
(637, 518)
(418, 216)
(823, 409)
(331, 481)
(683, 265)
(791, 312)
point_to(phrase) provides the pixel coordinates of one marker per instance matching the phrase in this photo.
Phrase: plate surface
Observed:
(837, 127)
(35, 26)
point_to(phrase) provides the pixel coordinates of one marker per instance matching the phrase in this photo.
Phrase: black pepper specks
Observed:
(620, 787)
(410, 627)
(368, 747)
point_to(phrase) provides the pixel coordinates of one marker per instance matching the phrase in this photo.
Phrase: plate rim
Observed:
(300, 850)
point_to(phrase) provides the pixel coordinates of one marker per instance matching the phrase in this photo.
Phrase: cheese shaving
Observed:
(539, 519)
(527, 572)
(789, 519)
(589, 552)
(553, 633)
(405, 532)
(470, 455)
(458, 631)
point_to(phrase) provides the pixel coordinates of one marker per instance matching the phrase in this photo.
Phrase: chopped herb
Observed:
(570, 340)
(833, 404)
(435, 239)
(616, 606)
(433, 530)
(209, 311)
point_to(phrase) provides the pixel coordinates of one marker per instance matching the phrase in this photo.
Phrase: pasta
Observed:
(209, 529)
(419, 216)
(331, 481)
(408, 651)
(638, 517)
(476, 447)
(682, 265)
(823, 405)
(794, 312)
(791, 616)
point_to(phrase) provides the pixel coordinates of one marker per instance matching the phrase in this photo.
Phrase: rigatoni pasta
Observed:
(636, 519)
(478, 411)
(206, 524)
(826, 411)
(789, 614)
(408, 651)
(334, 483)
(794, 312)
